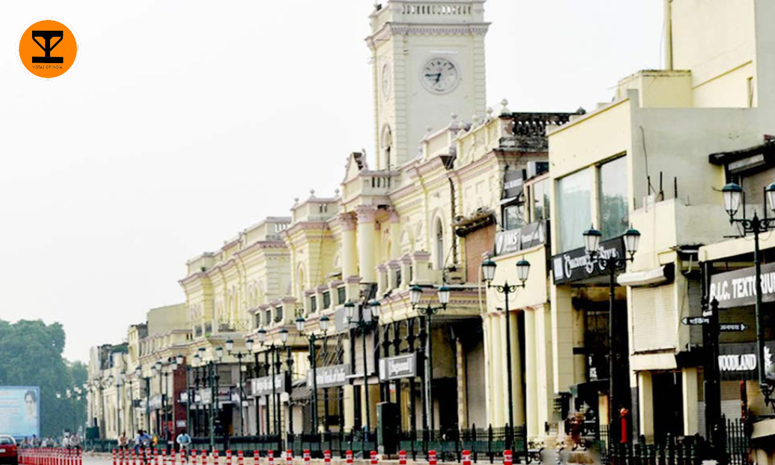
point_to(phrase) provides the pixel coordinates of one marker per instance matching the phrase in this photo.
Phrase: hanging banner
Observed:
(398, 367)
(737, 288)
(263, 386)
(528, 236)
(330, 376)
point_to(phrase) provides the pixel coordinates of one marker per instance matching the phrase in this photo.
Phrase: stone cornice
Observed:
(390, 29)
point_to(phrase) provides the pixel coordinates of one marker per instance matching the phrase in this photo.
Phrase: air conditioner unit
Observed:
(535, 168)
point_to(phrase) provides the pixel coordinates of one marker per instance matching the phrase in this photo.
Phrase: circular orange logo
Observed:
(48, 49)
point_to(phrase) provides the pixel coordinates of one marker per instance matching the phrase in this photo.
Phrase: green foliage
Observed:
(31, 355)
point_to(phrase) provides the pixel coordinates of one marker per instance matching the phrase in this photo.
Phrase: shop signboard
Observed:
(263, 386)
(737, 288)
(739, 361)
(330, 376)
(528, 236)
(398, 367)
(576, 264)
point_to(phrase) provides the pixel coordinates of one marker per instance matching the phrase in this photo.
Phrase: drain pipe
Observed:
(668, 36)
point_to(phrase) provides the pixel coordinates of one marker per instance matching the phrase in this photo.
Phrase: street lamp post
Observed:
(240, 356)
(611, 264)
(273, 349)
(733, 197)
(415, 294)
(523, 270)
(130, 394)
(147, 379)
(312, 338)
(367, 319)
(214, 377)
(179, 360)
(119, 383)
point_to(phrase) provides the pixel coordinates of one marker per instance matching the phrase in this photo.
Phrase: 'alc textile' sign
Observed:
(737, 288)
(528, 236)
(330, 376)
(577, 264)
(398, 367)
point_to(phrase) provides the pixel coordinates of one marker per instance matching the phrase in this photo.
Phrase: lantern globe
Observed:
(324, 320)
(770, 190)
(592, 240)
(523, 270)
(349, 308)
(415, 294)
(631, 241)
(443, 294)
(376, 307)
(488, 270)
(733, 195)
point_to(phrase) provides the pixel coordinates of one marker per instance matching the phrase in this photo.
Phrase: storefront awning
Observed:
(763, 429)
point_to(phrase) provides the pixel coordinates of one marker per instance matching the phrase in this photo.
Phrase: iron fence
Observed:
(733, 448)
(100, 445)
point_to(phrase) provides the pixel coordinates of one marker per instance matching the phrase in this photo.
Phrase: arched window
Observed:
(439, 245)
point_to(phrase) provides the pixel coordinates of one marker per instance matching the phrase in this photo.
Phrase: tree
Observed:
(32, 356)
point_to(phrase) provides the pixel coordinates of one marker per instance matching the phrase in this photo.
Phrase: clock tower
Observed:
(428, 62)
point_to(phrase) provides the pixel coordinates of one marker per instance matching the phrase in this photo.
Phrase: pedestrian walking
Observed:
(184, 445)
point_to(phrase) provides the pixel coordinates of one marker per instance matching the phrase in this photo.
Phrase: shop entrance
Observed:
(668, 405)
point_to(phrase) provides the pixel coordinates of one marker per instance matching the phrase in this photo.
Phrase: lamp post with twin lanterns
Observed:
(179, 361)
(213, 380)
(312, 338)
(147, 379)
(129, 393)
(367, 319)
(523, 270)
(72, 394)
(415, 294)
(611, 264)
(733, 197)
(161, 369)
(240, 356)
(275, 365)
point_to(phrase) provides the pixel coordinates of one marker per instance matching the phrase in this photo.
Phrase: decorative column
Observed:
(406, 271)
(395, 235)
(366, 234)
(497, 365)
(544, 365)
(289, 307)
(394, 268)
(645, 404)
(690, 398)
(349, 265)
(562, 338)
(383, 280)
(531, 381)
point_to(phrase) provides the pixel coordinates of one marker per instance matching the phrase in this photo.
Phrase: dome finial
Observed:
(505, 107)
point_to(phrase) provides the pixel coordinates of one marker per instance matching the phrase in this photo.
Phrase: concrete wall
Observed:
(162, 320)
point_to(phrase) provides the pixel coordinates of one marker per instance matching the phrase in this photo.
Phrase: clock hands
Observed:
(438, 76)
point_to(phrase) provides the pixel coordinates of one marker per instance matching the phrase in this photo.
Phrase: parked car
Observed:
(8, 452)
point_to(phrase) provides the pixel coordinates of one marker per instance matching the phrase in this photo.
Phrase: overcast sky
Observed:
(184, 122)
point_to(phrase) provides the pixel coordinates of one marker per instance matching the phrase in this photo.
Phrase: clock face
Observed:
(440, 75)
(387, 79)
